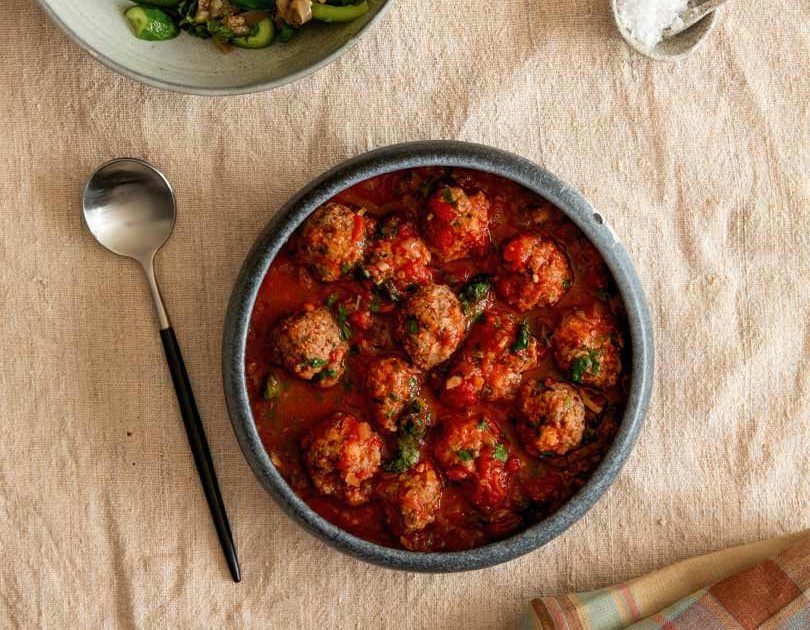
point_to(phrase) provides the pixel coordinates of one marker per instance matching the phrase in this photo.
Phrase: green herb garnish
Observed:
(413, 428)
(586, 363)
(524, 335)
(465, 455)
(412, 324)
(500, 453)
(473, 294)
(343, 324)
(285, 33)
(324, 374)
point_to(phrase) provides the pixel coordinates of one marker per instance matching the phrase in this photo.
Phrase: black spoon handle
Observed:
(199, 448)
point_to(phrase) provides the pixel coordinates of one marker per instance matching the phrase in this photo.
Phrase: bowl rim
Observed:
(180, 88)
(394, 158)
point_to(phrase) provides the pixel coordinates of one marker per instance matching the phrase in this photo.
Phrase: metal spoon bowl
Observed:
(669, 48)
(129, 207)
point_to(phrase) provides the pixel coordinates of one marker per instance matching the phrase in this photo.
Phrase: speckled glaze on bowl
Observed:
(393, 158)
(190, 65)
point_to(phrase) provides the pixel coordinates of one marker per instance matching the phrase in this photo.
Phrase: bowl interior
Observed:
(189, 64)
(454, 154)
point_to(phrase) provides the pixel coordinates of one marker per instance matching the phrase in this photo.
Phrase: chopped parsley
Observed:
(324, 374)
(583, 365)
(473, 294)
(331, 300)
(465, 455)
(412, 324)
(524, 335)
(483, 425)
(343, 324)
(500, 453)
(412, 430)
(374, 306)
(407, 455)
(316, 363)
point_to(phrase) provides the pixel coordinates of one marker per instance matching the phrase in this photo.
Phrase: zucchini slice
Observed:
(260, 36)
(151, 24)
(332, 13)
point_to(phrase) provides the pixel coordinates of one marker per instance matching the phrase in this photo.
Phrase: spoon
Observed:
(693, 14)
(674, 45)
(129, 208)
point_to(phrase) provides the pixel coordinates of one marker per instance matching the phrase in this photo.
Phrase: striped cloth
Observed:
(764, 585)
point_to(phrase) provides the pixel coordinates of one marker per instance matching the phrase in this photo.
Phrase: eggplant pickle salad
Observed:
(240, 23)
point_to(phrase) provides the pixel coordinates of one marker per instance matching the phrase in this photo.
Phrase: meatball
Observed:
(536, 273)
(390, 384)
(397, 258)
(494, 357)
(342, 455)
(332, 241)
(412, 498)
(431, 325)
(457, 226)
(586, 347)
(309, 345)
(551, 417)
(470, 449)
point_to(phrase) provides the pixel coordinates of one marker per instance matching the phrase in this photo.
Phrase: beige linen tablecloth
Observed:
(702, 167)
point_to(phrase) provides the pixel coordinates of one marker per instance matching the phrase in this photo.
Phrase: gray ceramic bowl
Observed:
(394, 158)
(188, 64)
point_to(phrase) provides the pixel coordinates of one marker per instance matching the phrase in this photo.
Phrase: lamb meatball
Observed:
(536, 272)
(492, 361)
(470, 449)
(457, 226)
(342, 455)
(586, 347)
(397, 258)
(431, 325)
(551, 417)
(308, 344)
(390, 384)
(412, 498)
(332, 241)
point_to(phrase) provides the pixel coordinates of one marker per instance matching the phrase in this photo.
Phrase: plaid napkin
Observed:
(765, 585)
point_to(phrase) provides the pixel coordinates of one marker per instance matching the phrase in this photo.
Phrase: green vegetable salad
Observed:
(240, 23)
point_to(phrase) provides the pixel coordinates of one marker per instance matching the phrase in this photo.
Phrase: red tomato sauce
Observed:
(536, 486)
